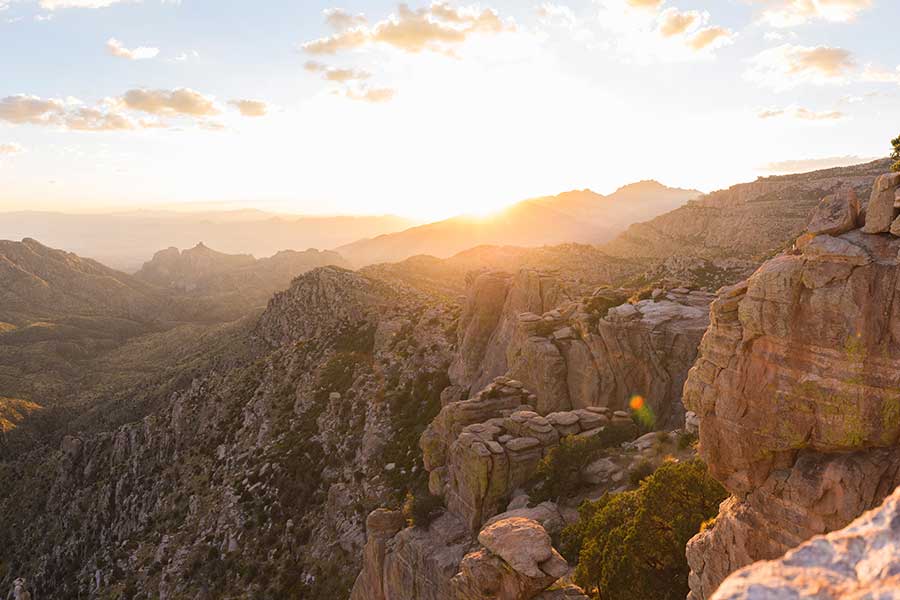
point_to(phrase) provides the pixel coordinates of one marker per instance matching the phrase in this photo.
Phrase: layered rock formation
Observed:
(860, 561)
(595, 351)
(797, 388)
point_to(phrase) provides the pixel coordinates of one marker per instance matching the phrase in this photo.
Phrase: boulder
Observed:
(522, 543)
(880, 212)
(836, 214)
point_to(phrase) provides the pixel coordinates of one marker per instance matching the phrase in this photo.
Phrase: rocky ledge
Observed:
(797, 387)
(861, 561)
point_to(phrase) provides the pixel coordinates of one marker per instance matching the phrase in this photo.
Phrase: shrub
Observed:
(686, 440)
(640, 472)
(630, 546)
(895, 155)
(421, 508)
(559, 473)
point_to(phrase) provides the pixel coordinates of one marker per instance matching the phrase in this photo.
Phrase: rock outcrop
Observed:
(797, 389)
(860, 561)
(598, 350)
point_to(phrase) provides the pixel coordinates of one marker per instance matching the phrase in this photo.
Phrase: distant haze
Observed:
(126, 240)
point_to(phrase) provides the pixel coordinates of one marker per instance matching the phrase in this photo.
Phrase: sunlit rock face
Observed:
(798, 390)
(860, 561)
(595, 350)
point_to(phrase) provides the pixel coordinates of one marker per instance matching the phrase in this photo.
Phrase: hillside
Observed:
(573, 217)
(238, 279)
(746, 221)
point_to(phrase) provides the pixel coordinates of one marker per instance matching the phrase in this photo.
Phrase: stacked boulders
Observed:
(479, 451)
(796, 387)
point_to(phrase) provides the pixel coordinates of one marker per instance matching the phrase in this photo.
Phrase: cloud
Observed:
(10, 149)
(22, 109)
(373, 95)
(804, 114)
(710, 37)
(251, 108)
(335, 74)
(880, 75)
(645, 29)
(57, 4)
(436, 28)
(790, 13)
(674, 22)
(111, 114)
(813, 164)
(32, 110)
(645, 4)
(789, 65)
(556, 14)
(115, 47)
(340, 20)
(60, 4)
(181, 101)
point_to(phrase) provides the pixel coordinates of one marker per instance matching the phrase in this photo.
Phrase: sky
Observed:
(429, 109)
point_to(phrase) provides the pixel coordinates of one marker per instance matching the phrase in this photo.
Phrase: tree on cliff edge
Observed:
(895, 155)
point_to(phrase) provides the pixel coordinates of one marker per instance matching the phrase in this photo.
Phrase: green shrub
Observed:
(895, 155)
(421, 508)
(630, 546)
(686, 440)
(559, 473)
(640, 472)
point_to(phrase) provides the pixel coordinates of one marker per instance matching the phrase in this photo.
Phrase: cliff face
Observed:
(577, 351)
(797, 388)
(256, 479)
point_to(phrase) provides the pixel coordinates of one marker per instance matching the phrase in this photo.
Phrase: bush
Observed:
(559, 473)
(686, 440)
(630, 546)
(895, 155)
(640, 472)
(421, 508)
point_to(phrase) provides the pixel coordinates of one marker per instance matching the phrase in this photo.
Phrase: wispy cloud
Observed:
(10, 149)
(181, 101)
(437, 28)
(116, 48)
(790, 65)
(804, 114)
(251, 108)
(790, 13)
(336, 74)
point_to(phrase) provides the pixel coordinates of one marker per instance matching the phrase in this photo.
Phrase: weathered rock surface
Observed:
(597, 351)
(796, 389)
(860, 561)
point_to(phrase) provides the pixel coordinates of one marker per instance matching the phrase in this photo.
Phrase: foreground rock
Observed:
(861, 561)
(796, 392)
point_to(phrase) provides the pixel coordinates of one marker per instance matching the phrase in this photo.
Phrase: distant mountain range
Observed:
(125, 240)
(573, 217)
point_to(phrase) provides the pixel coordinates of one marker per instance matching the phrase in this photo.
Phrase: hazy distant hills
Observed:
(573, 217)
(126, 240)
(202, 271)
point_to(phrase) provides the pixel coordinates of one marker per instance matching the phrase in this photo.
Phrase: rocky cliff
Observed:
(577, 351)
(798, 387)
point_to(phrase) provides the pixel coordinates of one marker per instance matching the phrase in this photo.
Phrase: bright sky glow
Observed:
(432, 109)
